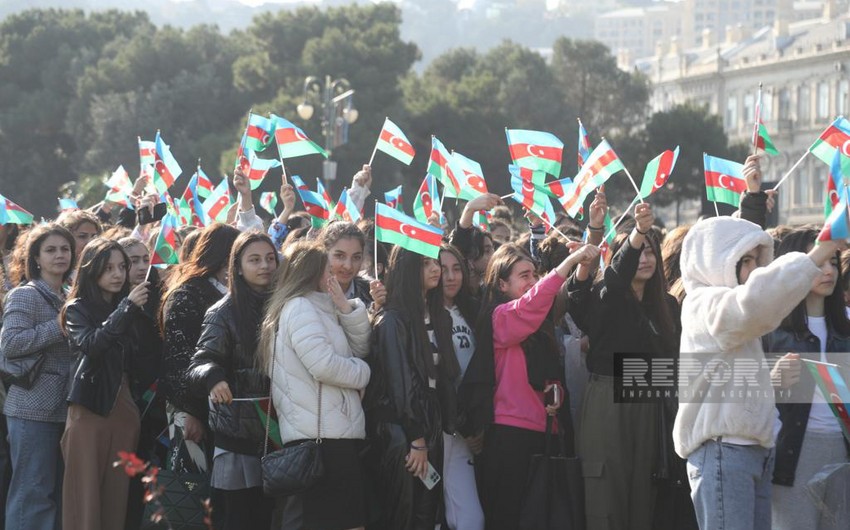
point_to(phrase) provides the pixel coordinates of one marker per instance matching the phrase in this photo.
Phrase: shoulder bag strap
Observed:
(271, 391)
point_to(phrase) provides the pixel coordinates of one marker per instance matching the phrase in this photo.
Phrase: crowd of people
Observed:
(405, 366)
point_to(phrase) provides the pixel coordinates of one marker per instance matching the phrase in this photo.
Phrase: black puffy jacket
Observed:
(106, 350)
(220, 356)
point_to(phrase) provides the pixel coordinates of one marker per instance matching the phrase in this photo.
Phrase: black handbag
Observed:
(183, 494)
(554, 493)
(294, 468)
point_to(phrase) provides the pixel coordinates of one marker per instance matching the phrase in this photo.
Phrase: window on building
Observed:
(784, 104)
(732, 112)
(804, 104)
(801, 191)
(749, 108)
(767, 106)
(823, 100)
(818, 185)
(841, 98)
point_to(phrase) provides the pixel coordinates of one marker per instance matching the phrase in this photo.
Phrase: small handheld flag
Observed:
(836, 137)
(291, 140)
(268, 201)
(393, 227)
(217, 204)
(11, 213)
(602, 163)
(835, 184)
(471, 177)
(833, 385)
(314, 203)
(657, 172)
(166, 168)
(724, 180)
(583, 144)
(393, 198)
(442, 166)
(346, 209)
(258, 168)
(394, 143)
(427, 200)
(259, 133)
(66, 204)
(165, 249)
(537, 150)
(120, 187)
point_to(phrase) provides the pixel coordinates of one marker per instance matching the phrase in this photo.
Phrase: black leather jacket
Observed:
(221, 357)
(795, 416)
(106, 348)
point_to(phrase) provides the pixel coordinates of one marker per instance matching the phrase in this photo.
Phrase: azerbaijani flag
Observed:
(482, 220)
(393, 198)
(147, 152)
(268, 201)
(395, 228)
(583, 145)
(68, 204)
(394, 143)
(258, 168)
(833, 385)
(835, 185)
(120, 187)
(205, 185)
(657, 172)
(264, 408)
(760, 137)
(259, 133)
(427, 199)
(346, 209)
(836, 137)
(314, 203)
(536, 150)
(165, 249)
(323, 193)
(190, 207)
(217, 204)
(11, 213)
(602, 163)
(443, 167)
(528, 191)
(724, 180)
(291, 140)
(837, 225)
(471, 176)
(166, 167)
(558, 188)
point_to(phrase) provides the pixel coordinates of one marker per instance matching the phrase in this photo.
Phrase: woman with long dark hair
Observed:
(226, 366)
(192, 289)
(103, 418)
(810, 436)
(411, 396)
(36, 414)
(628, 311)
(316, 339)
(515, 334)
(345, 243)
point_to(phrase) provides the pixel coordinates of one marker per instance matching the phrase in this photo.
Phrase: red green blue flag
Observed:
(528, 186)
(268, 201)
(395, 228)
(165, 249)
(836, 137)
(760, 137)
(583, 145)
(394, 143)
(166, 167)
(323, 193)
(835, 184)
(346, 209)
(218, 204)
(832, 383)
(724, 180)
(442, 166)
(291, 140)
(602, 163)
(259, 133)
(258, 168)
(558, 188)
(471, 177)
(11, 213)
(657, 172)
(482, 220)
(120, 187)
(314, 203)
(837, 226)
(427, 200)
(393, 198)
(537, 150)
(147, 152)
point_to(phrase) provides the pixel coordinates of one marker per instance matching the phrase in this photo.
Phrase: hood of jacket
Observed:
(713, 247)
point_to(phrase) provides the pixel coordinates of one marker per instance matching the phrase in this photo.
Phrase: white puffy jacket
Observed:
(316, 343)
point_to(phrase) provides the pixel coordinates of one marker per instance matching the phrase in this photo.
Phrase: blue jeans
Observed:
(731, 486)
(35, 493)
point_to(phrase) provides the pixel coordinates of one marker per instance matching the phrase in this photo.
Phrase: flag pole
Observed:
(508, 196)
(148, 274)
(757, 120)
(375, 238)
(375, 149)
(620, 220)
(553, 227)
(716, 211)
(632, 180)
(788, 174)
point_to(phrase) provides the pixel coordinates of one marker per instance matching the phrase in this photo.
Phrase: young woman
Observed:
(460, 492)
(344, 243)
(810, 436)
(36, 415)
(102, 415)
(192, 289)
(84, 226)
(316, 339)
(629, 311)
(411, 396)
(514, 331)
(226, 367)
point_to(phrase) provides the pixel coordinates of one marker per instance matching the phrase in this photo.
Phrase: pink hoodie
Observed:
(515, 403)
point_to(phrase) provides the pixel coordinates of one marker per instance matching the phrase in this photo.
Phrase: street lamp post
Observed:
(337, 114)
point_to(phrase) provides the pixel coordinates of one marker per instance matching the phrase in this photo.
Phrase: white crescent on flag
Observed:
(720, 182)
(845, 148)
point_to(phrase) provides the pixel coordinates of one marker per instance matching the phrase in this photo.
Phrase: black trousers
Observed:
(247, 509)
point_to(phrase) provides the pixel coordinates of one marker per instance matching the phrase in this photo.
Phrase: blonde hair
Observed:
(299, 273)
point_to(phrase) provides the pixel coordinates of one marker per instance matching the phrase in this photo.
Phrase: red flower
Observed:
(133, 465)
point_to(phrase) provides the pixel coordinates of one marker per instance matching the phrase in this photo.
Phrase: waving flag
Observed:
(427, 200)
(597, 169)
(724, 180)
(259, 133)
(218, 203)
(395, 228)
(835, 184)
(205, 185)
(442, 166)
(583, 145)
(11, 213)
(394, 143)
(558, 188)
(268, 201)
(760, 137)
(166, 167)
(314, 203)
(147, 152)
(258, 168)
(291, 140)
(538, 150)
(66, 204)
(528, 191)
(836, 137)
(323, 193)
(837, 225)
(346, 209)
(120, 187)
(471, 176)
(482, 220)
(190, 206)
(833, 385)
(165, 249)
(657, 172)
(393, 198)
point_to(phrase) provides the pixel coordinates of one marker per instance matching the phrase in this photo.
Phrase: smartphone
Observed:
(553, 396)
(145, 217)
(431, 477)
